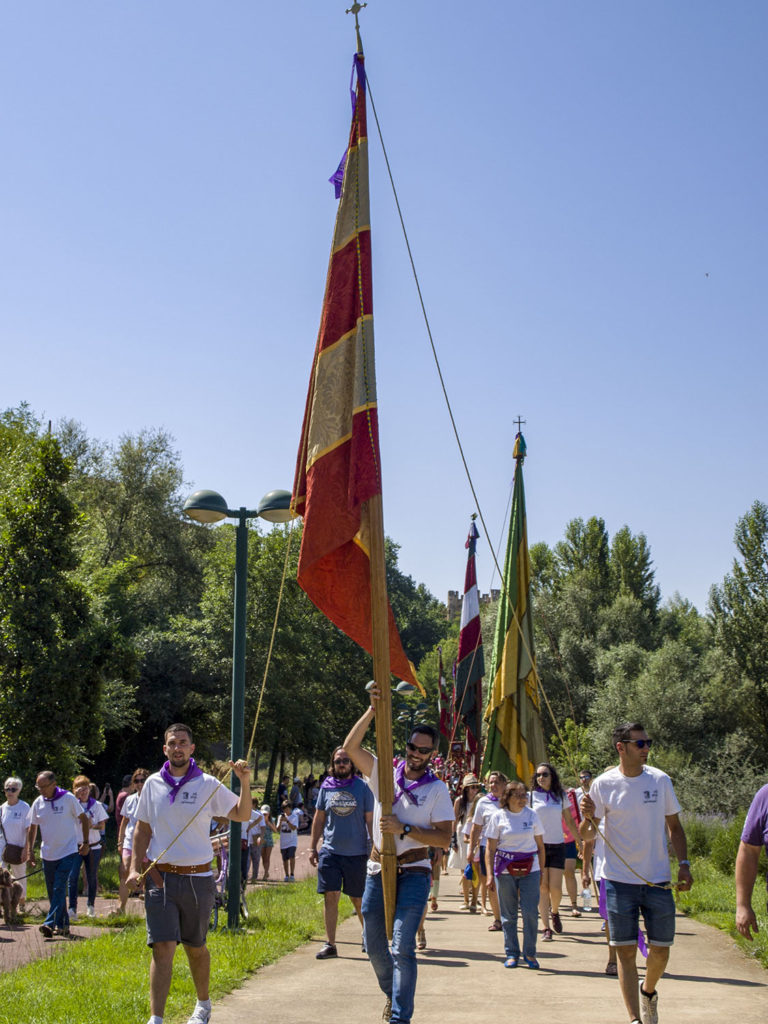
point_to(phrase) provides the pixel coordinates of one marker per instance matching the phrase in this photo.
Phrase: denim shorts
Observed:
(338, 873)
(625, 902)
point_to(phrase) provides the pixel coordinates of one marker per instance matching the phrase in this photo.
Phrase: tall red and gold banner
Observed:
(339, 467)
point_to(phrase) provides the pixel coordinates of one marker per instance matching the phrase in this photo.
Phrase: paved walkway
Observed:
(462, 980)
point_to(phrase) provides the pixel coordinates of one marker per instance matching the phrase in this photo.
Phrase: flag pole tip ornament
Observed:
(521, 449)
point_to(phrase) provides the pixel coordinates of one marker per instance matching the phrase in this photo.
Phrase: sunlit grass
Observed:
(107, 978)
(712, 900)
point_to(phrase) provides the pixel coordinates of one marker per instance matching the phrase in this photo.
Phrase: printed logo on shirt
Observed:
(342, 802)
(57, 809)
(187, 797)
(650, 796)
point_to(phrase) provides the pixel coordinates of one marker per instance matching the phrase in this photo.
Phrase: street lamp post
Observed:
(210, 507)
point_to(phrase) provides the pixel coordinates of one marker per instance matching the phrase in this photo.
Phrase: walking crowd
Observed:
(512, 848)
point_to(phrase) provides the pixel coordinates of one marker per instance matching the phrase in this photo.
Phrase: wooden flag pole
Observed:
(373, 511)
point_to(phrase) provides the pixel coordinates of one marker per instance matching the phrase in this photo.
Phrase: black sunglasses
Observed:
(342, 760)
(421, 750)
(640, 743)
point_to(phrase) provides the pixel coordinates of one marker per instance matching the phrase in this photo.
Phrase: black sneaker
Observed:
(557, 924)
(326, 952)
(46, 931)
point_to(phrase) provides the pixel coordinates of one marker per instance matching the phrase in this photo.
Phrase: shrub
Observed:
(725, 844)
(701, 831)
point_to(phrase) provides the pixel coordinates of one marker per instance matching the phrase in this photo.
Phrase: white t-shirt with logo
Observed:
(515, 832)
(550, 812)
(166, 819)
(96, 815)
(634, 809)
(289, 836)
(59, 823)
(485, 808)
(14, 822)
(431, 803)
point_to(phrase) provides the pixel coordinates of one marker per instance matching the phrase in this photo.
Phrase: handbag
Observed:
(12, 853)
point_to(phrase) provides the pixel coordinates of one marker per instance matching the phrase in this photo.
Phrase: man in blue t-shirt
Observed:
(344, 819)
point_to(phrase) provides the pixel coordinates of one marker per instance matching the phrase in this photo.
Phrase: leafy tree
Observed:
(739, 608)
(52, 651)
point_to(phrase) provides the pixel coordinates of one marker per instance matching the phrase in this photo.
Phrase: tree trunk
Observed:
(271, 775)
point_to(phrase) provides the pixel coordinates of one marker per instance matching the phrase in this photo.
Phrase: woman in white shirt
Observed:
(13, 815)
(514, 851)
(549, 801)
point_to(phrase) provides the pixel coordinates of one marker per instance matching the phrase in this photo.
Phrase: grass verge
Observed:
(107, 978)
(712, 900)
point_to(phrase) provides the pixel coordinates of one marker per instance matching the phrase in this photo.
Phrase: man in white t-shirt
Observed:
(64, 829)
(640, 808)
(422, 817)
(173, 829)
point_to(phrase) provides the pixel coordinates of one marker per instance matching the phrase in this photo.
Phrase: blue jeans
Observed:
(91, 878)
(57, 874)
(519, 894)
(395, 966)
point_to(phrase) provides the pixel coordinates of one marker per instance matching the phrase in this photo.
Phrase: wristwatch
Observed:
(406, 831)
(682, 863)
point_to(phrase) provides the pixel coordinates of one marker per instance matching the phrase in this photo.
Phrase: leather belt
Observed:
(408, 857)
(184, 869)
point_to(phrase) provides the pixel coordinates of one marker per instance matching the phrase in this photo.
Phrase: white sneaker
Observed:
(91, 911)
(73, 915)
(649, 1007)
(200, 1015)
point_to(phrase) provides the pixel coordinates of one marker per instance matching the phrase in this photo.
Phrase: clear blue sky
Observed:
(585, 191)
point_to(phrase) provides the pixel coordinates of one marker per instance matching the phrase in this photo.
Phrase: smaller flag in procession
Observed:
(515, 742)
(470, 664)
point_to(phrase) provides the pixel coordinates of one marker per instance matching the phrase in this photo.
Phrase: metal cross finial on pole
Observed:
(355, 9)
(519, 423)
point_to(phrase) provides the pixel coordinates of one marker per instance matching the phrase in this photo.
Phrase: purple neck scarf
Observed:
(58, 792)
(492, 798)
(192, 773)
(331, 782)
(90, 803)
(403, 790)
(548, 794)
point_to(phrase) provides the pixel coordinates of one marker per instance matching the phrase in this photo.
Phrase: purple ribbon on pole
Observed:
(337, 178)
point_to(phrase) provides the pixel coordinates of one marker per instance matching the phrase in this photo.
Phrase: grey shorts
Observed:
(180, 911)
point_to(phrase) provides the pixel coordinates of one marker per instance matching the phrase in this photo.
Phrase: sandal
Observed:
(433, 905)
(495, 927)
(611, 969)
(422, 939)
(575, 912)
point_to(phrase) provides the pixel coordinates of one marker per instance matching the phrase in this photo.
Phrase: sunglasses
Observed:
(342, 760)
(421, 750)
(542, 775)
(11, 789)
(641, 743)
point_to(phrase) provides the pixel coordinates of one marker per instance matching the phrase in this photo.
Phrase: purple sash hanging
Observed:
(403, 790)
(176, 784)
(58, 792)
